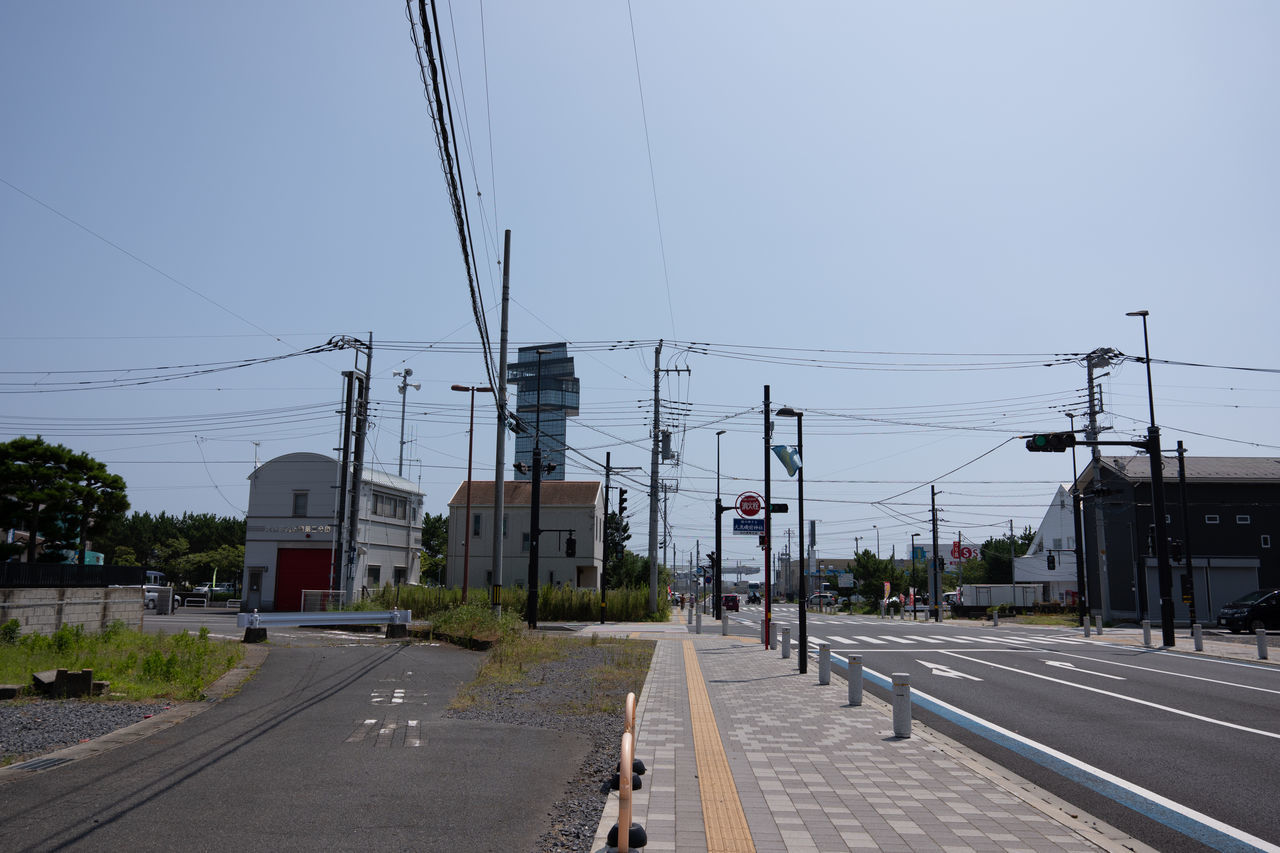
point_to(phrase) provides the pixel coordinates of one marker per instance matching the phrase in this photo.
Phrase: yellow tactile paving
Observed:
(722, 814)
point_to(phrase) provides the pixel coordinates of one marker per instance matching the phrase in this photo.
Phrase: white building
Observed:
(576, 506)
(291, 532)
(1055, 537)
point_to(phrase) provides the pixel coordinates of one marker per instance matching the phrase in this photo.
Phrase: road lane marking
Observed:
(875, 641)
(1121, 696)
(920, 639)
(1068, 665)
(946, 671)
(723, 818)
(841, 640)
(1181, 818)
(1182, 674)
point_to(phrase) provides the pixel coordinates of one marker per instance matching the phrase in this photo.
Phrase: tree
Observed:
(57, 496)
(435, 546)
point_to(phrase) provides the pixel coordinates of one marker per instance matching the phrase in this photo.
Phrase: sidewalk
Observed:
(745, 754)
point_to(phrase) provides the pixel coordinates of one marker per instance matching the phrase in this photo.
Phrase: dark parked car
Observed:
(729, 602)
(1258, 609)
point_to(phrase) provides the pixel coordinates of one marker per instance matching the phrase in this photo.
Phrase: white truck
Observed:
(978, 598)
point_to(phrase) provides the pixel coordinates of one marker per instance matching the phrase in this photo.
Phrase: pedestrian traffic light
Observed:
(1051, 442)
(571, 547)
(1053, 561)
(622, 501)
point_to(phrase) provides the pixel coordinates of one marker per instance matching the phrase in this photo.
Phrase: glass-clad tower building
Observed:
(559, 399)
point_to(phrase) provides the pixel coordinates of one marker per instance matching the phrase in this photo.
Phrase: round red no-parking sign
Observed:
(749, 504)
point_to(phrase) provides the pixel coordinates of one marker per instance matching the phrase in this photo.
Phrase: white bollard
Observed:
(1198, 636)
(1146, 633)
(824, 663)
(786, 643)
(773, 635)
(901, 704)
(698, 623)
(1099, 625)
(855, 680)
(1262, 643)
(724, 623)
(689, 616)
(1088, 621)
(995, 618)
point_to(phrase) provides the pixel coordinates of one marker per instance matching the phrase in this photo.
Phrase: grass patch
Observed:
(1057, 620)
(140, 666)
(523, 660)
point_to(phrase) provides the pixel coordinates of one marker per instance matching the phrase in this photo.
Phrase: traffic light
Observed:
(571, 547)
(1051, 442)
(711, 559)
(1053, 561)
(622, 501)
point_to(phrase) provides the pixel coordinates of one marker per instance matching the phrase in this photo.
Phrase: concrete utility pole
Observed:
(935, 571)
(500, 451)
(653, 473)
(1100, 357)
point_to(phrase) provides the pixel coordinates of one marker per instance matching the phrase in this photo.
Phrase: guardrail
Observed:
(255, 623)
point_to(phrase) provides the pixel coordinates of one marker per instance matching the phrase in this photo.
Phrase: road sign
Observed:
(779, 508)
(748, 526)
(749, 504)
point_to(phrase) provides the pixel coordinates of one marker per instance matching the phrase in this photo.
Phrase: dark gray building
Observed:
(1232, 512)
(545, 382)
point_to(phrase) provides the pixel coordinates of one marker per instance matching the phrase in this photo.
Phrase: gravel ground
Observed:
(573, 820)
(31, 727)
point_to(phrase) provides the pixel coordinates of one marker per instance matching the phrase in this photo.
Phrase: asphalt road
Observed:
(1198, 731)
(327, 747)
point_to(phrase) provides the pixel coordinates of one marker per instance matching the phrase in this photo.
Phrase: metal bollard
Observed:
(882, 610)
(855, 680)
(689, 615)
(1198, 636)
(1146, 633)
(995, 619)
(1099, 626)
(786, 643)
(773, 635)
(724, 623)
(1088, 621)
(824, 663)
(901, 704)
(698, 623)
(1262, 643)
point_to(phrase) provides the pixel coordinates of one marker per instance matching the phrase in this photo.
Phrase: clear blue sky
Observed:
(821, 193)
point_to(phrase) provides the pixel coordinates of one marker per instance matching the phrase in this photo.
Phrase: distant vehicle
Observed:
(978, 598)
(1258, 609)
(729, 601)
(151, 595)
(218, 589)
(753, 598)
(822, 599)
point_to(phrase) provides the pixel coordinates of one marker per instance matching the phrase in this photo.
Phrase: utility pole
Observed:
(768, 515)
(1186, 532)
(653, 473)
(1098, 358)
(500, 451)
(357, 470)
(935, 579)
(404, 387)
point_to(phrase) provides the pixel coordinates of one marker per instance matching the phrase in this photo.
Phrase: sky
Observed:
(908, 220)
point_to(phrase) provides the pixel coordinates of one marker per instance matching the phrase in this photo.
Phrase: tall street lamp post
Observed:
(466, 526)
(404, 387)
(1163, 571)
(788, 412)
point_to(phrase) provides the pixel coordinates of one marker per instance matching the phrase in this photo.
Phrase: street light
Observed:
(876, 528)
(1163, 572)
(914, 536)
(719, 542)
(788, 412)
(404, 385)
(466, 527)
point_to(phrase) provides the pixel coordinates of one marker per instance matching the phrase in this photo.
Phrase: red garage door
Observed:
(298, 569)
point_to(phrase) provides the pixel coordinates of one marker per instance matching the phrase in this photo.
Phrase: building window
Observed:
(389, 506)
(300, 504)
(505, 520)
(475, 524)
(1057, 543)
(1242, 519)
(524, 543)
(1266, 541)
(1210, 519)
(375, 576)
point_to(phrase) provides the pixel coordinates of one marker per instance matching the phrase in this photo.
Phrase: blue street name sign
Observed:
(748, 526)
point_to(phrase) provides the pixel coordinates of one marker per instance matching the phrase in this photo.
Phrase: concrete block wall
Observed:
(44, 611)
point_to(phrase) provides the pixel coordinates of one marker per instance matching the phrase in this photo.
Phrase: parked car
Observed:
(822, 599)
(1258, 609)
(729, 601)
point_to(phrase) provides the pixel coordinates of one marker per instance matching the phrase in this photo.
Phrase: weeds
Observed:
(139, 666)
